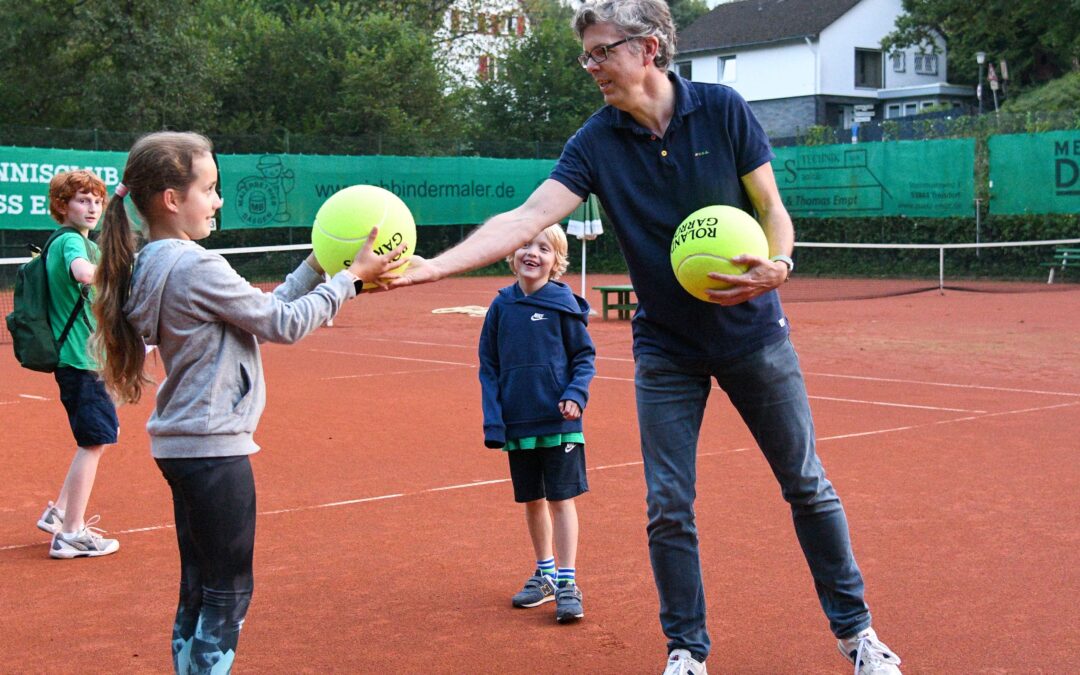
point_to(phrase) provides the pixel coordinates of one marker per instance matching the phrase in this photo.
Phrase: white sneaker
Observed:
(88, 543)
(869, 654)
(52, 520)
(681, 663)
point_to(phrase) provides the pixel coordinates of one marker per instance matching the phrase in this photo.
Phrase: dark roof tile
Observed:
(748, 22)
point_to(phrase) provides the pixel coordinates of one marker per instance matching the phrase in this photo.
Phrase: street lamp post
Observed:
(980, 58)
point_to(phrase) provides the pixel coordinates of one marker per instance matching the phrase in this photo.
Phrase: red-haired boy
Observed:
(76, 201)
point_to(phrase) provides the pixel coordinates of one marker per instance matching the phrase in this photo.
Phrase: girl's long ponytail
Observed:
(120, 348)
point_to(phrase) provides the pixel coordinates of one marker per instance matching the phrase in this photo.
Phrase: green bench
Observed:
(621, 303)
(1064, 257)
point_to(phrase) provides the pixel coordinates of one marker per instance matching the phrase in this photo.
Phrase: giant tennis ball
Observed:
(707, 241)
(345, 219)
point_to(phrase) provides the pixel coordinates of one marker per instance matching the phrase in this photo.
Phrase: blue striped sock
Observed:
(565, 578)
(546, 567)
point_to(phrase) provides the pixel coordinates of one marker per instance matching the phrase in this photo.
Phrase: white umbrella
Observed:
(585, 224)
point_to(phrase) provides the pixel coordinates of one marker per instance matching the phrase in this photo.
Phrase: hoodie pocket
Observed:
(530, 393)
(242, 397)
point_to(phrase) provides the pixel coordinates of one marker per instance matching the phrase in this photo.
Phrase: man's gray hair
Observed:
(638, 18)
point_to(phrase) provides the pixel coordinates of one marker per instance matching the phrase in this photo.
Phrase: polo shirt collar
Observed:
(686, 101)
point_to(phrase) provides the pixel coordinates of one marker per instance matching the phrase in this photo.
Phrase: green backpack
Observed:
(31, 334)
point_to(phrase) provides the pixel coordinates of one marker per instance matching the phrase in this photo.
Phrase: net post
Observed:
(941, 270)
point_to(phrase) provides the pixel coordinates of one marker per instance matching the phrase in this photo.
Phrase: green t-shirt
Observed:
(549, 441)
(64, 293)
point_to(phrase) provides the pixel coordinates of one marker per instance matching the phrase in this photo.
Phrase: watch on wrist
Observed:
(786, 260)
(358, 283)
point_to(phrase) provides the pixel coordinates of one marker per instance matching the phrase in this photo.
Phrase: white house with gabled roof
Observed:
(801, 63)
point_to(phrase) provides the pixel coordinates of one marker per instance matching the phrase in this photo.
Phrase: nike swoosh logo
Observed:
(537, 317)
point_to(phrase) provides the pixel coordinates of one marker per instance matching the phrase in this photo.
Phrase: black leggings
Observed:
(214, 508)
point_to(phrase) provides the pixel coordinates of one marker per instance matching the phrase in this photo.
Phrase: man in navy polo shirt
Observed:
(660, 149)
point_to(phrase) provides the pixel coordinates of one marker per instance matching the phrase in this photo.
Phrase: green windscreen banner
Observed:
(1035, 173)
(896, 178)
(24, 181)
(287, 190)
(274, 190)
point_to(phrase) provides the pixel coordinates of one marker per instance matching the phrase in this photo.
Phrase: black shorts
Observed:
(90, 411)
(554, 474)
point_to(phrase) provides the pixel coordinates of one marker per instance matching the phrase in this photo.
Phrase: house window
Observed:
(899, 61)
(926, 64)
(911, 109)
(685, 69)
(488, 67)
(892, 111)
(725, 69)
(868, 71)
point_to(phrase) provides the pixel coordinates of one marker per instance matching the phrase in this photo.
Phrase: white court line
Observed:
(830, 398)
(30, 397)
(714, 453)
(393, 358)
(471, 347)
(393, 372)
(816, 374)
(895, 405)
(946, 384)
(468, 485)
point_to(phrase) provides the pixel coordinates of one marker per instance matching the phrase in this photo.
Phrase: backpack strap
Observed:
(77, 310)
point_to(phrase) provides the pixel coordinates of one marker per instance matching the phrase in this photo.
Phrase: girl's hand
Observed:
(570, 410)
(373, 268)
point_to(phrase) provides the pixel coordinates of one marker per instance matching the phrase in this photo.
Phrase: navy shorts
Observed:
(90, 411)
(554, 474)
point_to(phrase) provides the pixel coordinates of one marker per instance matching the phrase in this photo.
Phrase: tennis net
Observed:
(837, 271)
(824, 271)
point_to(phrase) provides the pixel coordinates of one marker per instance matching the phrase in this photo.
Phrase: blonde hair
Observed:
(157, 162)
(557, 238)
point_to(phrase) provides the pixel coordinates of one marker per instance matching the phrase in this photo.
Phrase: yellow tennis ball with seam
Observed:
(344, 220)
(707, 240)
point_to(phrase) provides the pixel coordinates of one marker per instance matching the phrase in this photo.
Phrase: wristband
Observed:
(786, 260)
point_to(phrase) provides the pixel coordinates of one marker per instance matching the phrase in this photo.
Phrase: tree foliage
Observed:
(686, 12)
(118, 65)
(541, 92)
(1039, 39)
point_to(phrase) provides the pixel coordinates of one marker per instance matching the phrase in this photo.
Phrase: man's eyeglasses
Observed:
(600, 54)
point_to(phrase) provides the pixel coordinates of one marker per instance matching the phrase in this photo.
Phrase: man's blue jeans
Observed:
(767, 389)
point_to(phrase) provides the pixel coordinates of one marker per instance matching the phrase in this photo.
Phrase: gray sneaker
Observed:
(52, 521)
(540, 588)
(87, 544)
(568, 604)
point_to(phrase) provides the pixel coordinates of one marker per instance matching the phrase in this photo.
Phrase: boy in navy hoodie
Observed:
(536, 362)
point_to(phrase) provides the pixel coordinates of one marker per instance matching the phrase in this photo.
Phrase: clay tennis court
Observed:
(388, 540)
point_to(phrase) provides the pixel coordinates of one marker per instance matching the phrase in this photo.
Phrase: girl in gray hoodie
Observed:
(207, 323)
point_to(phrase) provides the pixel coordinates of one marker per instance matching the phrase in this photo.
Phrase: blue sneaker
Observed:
(568, 604)
(540, 588)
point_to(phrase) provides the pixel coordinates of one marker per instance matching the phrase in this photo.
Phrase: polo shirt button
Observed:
(652, 138)
(663, 153)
